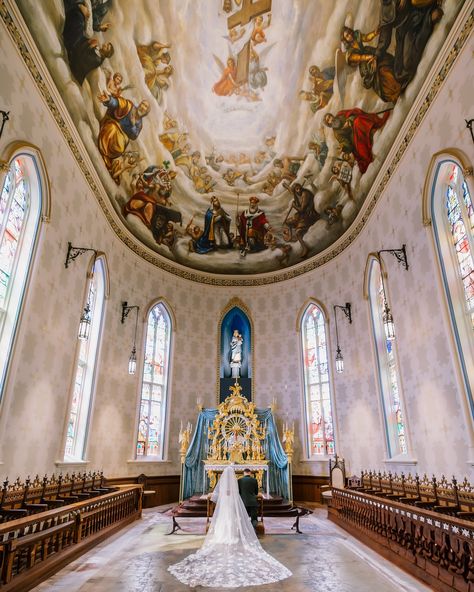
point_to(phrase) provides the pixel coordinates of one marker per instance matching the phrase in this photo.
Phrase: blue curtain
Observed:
(195, 481)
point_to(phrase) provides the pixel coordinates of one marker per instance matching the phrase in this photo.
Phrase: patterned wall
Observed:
(35, 404)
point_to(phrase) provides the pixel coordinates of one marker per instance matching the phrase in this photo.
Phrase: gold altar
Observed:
(236, 437)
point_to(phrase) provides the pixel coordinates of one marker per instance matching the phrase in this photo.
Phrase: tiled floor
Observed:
(324, 558)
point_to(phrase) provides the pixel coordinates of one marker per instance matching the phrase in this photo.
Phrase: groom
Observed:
(248, 489)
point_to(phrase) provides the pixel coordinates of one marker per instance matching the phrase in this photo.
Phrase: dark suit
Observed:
(248, 489)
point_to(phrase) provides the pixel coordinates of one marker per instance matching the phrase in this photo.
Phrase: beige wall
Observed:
(35, 404)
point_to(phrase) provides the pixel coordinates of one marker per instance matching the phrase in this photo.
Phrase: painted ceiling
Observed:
(237, 136)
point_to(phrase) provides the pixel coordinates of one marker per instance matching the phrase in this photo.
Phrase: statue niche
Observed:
(235, 335)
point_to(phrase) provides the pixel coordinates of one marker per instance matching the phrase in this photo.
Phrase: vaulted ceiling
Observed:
(238, 137)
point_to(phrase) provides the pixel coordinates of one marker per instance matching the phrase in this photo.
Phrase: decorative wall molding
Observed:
(451, 50)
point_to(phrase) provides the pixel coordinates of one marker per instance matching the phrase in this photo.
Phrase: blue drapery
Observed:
(193, 469)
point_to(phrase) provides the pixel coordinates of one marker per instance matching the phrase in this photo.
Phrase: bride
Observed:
(231, 555)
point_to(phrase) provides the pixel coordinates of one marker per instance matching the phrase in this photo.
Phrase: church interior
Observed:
(237, 233)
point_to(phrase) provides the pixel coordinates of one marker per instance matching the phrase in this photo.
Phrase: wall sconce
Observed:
(132, 360)
(74, 252)
(339, 359)
(469, 124)
(387, 317)
(86, 316)
(5, 118)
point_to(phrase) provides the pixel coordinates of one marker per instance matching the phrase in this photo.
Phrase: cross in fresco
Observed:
(250, 9)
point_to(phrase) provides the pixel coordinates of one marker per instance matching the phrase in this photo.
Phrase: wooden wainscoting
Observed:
(307, 488)
(165, 488)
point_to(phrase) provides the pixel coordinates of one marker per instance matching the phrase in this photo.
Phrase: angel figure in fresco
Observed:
(257, 71)
(122, 122)
(321, 87)
(155, 60)
(354, 130)
(234, 34)
(227, 84)
(272, 242)
(258, 33)
(114, 83)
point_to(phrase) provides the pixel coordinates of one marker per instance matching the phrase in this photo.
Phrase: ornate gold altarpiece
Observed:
(236, 438)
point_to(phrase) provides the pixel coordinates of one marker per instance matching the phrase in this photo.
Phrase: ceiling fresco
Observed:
(237, 136)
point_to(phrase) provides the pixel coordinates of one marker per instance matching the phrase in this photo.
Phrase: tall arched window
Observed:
(387, 366)
(317, 399)
(154, 388)
(86, 368)
(20, 209)
(453, 226)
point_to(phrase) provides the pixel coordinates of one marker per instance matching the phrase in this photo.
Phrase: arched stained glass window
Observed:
(20, 208)
(452, 215)
(154, 389)
(319, 420)
(85, 376)
(460, 215)
(388, 375)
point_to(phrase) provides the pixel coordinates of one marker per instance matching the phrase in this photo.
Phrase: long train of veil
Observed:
(231, 554)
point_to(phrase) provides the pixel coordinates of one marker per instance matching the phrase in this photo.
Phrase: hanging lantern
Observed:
(132, 361)
(388, 323)
(339, 361)
(85, 323)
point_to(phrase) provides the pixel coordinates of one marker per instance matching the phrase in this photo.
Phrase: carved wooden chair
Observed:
(337, 477)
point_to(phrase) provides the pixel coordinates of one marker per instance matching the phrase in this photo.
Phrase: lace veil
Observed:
(231, 555)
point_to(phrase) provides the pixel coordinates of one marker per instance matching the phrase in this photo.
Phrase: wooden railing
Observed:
(436, 548)
(34, 547)
(440, 495)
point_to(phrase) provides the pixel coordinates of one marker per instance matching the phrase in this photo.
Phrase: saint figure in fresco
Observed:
(216, 233)
(84, 51)
(296, 226)
(354, 130)
(122, 122)
(412, 22)
(377, 72)
(235, 354)
(253, 226)
(321, 90)
(150, 204)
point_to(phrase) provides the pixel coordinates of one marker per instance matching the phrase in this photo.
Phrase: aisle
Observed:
(323, 559)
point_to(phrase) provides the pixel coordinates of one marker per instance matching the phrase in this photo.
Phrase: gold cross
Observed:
(250, 9)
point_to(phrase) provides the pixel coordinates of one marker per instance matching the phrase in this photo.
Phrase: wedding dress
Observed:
(231, 555)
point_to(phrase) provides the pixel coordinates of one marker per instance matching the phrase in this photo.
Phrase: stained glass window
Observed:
(13, 210)
(154, 384)
(460, 216)
(82, 390)
(389, 381)
(317, 389)
(20, 207)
